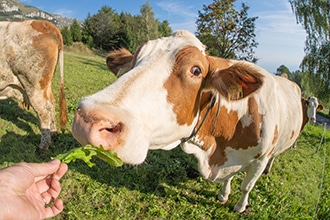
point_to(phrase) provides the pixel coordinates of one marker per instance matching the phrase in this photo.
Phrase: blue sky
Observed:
(281, 40)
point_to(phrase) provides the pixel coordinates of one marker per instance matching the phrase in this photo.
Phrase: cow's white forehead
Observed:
(313, 101)
(173, 43)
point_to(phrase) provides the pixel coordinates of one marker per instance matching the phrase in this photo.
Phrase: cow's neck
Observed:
(230, 130)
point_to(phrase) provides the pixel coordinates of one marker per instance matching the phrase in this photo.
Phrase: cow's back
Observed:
(29, 46)
(256, 127)
(283, 110)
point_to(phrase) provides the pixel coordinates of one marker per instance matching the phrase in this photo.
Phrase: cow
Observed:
(232, 115)
(30, 51)
(311, 104)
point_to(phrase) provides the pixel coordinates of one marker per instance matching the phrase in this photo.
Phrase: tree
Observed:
(104, 27)
(87, 37)
(66, 35)
(108, 30)
(226, 32)
(141, 28)
(75, 31)
(314, 15)
(283, 69)
(164, 29)
(148, 22)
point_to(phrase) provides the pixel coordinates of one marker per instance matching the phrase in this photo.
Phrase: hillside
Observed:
(12, 10)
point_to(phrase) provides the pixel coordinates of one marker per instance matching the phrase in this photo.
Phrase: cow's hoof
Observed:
(54, 135)
(222, 199)
(41, 152)
(242, 209)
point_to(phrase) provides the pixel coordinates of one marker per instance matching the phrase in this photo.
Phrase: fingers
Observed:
(41, 170)
(50, 187)
(45, 183)
(53, 191)
(54, 209)
(61, 171)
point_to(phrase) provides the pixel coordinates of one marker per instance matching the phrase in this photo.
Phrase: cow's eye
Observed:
(196, 70)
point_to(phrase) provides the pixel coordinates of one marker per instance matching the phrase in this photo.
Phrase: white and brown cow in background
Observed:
(29, 51)
(312, 105)
(164, 97)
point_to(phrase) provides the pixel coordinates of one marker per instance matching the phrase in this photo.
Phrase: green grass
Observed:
(167, 185)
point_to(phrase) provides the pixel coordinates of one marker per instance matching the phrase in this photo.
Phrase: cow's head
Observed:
(312, 106)
(157, 102)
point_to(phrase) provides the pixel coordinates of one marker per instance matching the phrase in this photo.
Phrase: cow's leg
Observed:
(269, 166)
(44, 105)
(225, 191)
(252, 175)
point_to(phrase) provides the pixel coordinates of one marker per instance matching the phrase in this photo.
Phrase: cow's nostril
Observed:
(116, 129)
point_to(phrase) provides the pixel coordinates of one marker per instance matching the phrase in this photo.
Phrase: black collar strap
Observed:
(195, 131)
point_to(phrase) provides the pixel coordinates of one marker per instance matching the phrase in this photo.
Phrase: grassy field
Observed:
(167, 185)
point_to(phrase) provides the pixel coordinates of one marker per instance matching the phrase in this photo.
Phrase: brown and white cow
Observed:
(312, 105)
(29, 51)
(164, 98)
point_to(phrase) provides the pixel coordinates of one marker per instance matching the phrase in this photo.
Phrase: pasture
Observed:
(167, 185)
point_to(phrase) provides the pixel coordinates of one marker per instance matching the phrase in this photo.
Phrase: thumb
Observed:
(40, 170)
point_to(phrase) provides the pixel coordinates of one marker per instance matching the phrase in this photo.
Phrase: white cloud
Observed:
(177, 9)
(180, 16)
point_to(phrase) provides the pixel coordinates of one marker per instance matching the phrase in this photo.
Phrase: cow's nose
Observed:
(97, 126)
(312, 120)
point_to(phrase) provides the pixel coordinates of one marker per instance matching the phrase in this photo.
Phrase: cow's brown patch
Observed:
(50, 38)
(183, 86)
(48, 28)
(230, 131)
(11, 55)
(275, 138)
(292, 134)
(304, 105)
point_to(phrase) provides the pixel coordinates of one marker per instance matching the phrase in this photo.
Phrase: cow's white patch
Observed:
(202, 157)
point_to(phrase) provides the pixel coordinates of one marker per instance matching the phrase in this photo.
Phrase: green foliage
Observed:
(226, 32)
(167, 185)
(148, 22)
(314, 15)
(109, 30)
(86, 153)
(283, 69)
(67, 37)
(103, 28)
(76, 31)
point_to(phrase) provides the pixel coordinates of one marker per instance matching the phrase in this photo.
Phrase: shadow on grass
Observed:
(160, 170)
(11, 112)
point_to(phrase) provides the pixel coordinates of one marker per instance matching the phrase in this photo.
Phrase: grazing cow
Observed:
(232, 115)
(29, 53)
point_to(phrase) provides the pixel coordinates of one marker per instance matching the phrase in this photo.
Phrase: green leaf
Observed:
(106, 155)
(86, 153)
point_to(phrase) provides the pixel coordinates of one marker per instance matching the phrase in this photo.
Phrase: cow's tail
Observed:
(63, 109)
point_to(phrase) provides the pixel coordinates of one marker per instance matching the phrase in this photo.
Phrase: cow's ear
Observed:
(320, 107)
(236, 81)
(304, 102)
(118, 61)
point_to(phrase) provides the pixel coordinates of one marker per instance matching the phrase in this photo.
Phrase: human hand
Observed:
(26, 189)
